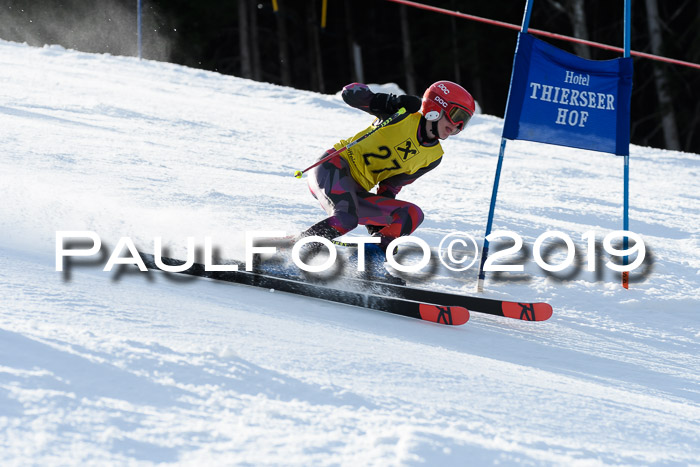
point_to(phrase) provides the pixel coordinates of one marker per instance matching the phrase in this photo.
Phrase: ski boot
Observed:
(375, 257)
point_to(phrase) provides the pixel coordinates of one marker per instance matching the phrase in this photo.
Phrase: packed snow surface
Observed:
(128, 367)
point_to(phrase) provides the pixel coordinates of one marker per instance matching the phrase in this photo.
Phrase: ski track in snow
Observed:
(130, 367)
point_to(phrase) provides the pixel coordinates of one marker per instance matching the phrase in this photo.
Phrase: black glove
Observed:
(412, 104)
(390, 104)
(358, 95)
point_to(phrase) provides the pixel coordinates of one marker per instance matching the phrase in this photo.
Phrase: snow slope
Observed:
(138, 368)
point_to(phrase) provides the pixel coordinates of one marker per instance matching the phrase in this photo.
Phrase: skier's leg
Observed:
(393, 218)
(333, 186)
(389, 218)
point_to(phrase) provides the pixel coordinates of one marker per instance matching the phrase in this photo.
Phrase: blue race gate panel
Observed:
(560, 98)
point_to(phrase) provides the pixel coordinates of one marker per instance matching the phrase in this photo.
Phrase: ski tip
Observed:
(452, 315)
(544, 311)
(527, 311)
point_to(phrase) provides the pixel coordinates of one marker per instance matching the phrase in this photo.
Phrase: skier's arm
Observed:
(392, 185)
(380, 105)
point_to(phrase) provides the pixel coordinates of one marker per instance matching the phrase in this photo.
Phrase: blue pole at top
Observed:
(628, 26)
(138, 25)
(526, 17)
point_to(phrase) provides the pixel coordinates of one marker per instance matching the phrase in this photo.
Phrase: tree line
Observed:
(377, 41)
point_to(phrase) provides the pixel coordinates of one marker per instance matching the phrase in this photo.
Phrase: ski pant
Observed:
(348, 204)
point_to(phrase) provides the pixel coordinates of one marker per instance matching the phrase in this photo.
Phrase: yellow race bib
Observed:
(393, 150)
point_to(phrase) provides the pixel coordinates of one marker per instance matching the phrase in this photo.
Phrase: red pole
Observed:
(544, 33)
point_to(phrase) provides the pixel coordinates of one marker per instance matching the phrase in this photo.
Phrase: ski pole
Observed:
(401, 111)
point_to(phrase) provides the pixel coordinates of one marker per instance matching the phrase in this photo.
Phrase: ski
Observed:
(525, 311)
(441, 314)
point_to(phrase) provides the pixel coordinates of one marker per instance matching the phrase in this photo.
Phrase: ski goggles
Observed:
(458, 116)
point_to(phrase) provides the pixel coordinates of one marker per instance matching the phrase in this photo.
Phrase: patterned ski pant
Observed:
(348, 204)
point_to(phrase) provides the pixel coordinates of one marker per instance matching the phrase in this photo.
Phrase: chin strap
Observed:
(434, 129)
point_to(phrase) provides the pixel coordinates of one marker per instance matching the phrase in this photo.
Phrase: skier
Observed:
(392, 157)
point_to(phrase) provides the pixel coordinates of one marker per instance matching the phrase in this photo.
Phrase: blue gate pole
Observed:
(138, 25)
(501, 153)
(489, 224)
(626, 201)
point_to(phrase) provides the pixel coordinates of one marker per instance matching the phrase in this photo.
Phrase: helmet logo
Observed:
(441, 101)
(444, 88)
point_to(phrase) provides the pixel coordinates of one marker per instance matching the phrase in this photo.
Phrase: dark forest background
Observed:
(377, 41)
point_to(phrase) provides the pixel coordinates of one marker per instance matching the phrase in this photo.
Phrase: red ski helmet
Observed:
(448, 98)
